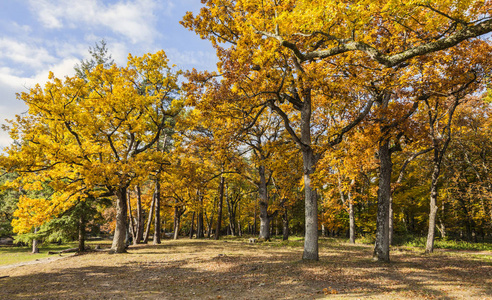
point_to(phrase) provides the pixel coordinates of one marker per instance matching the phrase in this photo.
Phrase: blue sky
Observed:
(37, 36)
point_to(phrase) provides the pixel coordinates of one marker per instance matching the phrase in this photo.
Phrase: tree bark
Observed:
(285, 225)
(219, 210)
(429, 246)
(199, 223)
(390, 220)
(311, 209)
(132, 225)
(262, 193)
(35, 248)
(140, 218)
(381, 248)
(119, 245)
(192, 225)
(351, 217)
(157, 218)
(149, 221)
(82, 222)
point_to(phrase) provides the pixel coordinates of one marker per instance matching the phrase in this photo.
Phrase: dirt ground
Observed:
(203, 269)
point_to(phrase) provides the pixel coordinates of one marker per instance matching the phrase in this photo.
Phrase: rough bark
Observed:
(119, 245)
(177, 220)
(219, 210)
(381, 248)
(149, 221)
(199, 221)
(192, 229)
(82, 223)
(157, 211)
(35, 248)
(429, 246)
(311, 210)
(285, 225)
(263, 202)
(140, 217)
(351, 217)
(310, 200)
(131, 225)
(390, 220)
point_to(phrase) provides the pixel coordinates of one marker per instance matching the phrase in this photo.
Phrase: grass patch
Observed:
(13, 254)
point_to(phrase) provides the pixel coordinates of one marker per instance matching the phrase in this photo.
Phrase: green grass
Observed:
(420, 242)
(450, 244)
(13, 254)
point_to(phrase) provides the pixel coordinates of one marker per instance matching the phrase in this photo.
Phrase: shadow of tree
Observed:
(191, 269)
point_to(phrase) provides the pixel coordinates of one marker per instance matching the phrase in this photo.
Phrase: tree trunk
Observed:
(199, 222)
(311, 209)
(192, 225)
(209, 224)
(35, 248)
(381, 248)
(120, 231)
(140, 218)
(254, 219)
(262, 193)
(351, 218)
(157, 218)
(219, 210)
(81, 247)
(429, 246)
(132, 225)
(177, 219)
(231, 211)
(390, 220)
(149, 221)
(285, 225)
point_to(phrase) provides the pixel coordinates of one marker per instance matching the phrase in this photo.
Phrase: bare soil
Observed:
(235, 269)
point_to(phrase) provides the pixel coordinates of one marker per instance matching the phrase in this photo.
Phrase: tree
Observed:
(290, 46)
(93, 135)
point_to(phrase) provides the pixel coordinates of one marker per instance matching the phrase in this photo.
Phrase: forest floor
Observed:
(235, 269)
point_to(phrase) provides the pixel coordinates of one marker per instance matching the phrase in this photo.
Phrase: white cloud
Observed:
(133, 19)
(200, 60)
(24, 53)
(10, 84)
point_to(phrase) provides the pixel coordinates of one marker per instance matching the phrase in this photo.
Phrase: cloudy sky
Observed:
(37, 36)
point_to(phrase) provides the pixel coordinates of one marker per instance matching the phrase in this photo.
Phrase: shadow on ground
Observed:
(236, 270)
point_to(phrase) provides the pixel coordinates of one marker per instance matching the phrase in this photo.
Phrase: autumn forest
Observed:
(362, 120)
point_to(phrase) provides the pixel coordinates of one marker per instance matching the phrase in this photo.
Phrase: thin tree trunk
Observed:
(209, 224)
(219, 211)
(157, 218)
(82, 222)
(199, 223)
(149, 221)
(262, 193)
(35, 248)
(390, 220)
(140, 217)
(132, 225)
(191, 225)
(119, 245)
(429, 246)
(177, 219)
(285, 225)
(381, 248)
(254, 218)
(351, 218)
